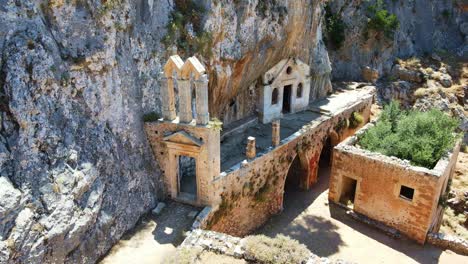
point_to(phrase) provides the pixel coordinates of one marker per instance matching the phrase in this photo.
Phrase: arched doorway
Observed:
(297, 175)
(326, 155)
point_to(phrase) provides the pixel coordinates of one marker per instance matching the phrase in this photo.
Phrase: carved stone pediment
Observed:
(183, 138)
(174, 64)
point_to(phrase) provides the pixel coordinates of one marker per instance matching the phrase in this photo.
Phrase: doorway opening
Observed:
(348, 191)
(324, 165)
(296, 175)
(287, 99)
(187, 178)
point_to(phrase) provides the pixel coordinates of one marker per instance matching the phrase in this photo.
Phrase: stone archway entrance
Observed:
(183, 171)
(296, 176)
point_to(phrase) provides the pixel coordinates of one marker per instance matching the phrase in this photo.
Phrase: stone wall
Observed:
(249, 193)
(379, 179)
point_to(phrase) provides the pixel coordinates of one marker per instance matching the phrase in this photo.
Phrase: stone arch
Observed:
(300, 183)
(274, 96)
(297, 174)
(323, 157)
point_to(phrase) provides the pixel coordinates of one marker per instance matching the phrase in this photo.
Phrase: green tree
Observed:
(420, 137)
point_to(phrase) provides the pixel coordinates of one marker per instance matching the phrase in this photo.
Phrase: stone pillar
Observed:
(201, 87)
(250, 151)
(167, 98)
(275, 133)
(185, 100)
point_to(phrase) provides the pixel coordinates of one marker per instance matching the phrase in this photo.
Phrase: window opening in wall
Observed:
(187, 178)
(287, 99)
(299, 90)
(406, 192)
(274, 96)
(289, 70)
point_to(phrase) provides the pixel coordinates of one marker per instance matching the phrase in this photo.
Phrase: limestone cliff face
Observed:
(426, 26)
(76, 76)
(249, 38)
(76, 171)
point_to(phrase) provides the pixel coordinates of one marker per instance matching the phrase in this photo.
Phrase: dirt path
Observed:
(154, 238)
(328, 232)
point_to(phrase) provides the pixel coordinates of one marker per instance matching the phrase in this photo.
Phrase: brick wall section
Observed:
(378, 187)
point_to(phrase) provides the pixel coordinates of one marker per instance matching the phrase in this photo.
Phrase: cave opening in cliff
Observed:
(287, 99)
(187, 178)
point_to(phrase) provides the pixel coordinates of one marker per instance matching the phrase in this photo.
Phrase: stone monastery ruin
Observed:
(240, 175)
(297, 125)
(411, 202)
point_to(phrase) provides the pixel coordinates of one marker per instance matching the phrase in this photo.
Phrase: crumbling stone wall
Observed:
(378, 188)
(252, 192)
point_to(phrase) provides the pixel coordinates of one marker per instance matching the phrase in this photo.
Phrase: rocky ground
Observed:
(455, 219)
(438, 81)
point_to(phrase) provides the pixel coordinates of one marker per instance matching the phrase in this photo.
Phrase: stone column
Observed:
(167, 98)
(250, 151)
(185, 101)
(201, 86)
(275, 133)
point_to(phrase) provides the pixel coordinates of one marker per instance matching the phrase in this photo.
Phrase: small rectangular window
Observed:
(406, 192)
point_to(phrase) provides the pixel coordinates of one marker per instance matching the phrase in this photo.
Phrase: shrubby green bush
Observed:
(355, 120)
(151, 117)
(381, 20)
(420, 137)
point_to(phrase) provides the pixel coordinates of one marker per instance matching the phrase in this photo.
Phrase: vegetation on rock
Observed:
(151, 117)
(215, 124)
(334, 29)
(420, 137)
(185, 28)
(355, 120)
(381, 20)
(279, 250)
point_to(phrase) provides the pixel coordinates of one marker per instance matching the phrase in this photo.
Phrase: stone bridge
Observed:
(252, 190)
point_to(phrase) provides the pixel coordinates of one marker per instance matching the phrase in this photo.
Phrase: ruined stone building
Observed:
(389, 190)
(240, 175)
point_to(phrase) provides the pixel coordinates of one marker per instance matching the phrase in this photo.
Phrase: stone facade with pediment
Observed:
(286, 89)
(170, 140)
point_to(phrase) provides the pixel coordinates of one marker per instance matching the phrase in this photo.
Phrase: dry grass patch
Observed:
(453, 224)
(279, 250)
(420, 92)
